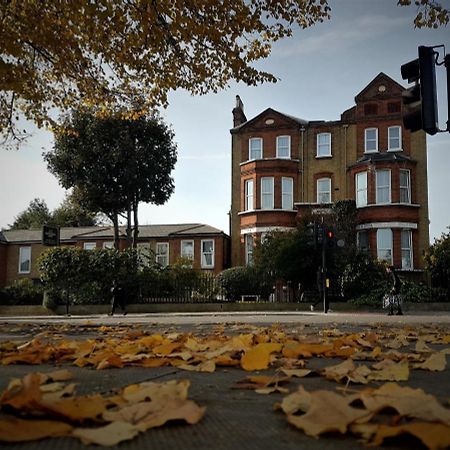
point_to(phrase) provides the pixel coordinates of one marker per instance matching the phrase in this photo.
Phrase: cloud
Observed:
(339, 36)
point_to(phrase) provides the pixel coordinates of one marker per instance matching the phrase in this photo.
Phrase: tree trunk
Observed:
(136, 222)
(115, 221)
(129, 228)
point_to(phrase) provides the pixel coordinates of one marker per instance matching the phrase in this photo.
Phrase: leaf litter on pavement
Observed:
(368, 358)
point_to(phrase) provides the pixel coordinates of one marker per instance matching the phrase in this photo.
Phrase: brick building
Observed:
(206, 245)
(284, 167)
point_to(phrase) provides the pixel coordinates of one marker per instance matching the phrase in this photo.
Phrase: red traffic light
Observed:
(330, 234)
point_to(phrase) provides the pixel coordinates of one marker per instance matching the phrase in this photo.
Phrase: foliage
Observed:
(289, 256)
(36, 215)
(107, 53)
(22, 292)
(364, 276)
(413, 292)
(437, 261)
(247, 280)
(72, 214)
(115, 163)
(430, 13)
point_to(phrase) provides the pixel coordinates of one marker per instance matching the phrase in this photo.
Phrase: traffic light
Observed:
(420, 100)
(330, 238)
(320, 231)
(311, 233)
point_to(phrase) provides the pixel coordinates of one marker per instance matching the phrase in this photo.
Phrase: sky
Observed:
(320, 71)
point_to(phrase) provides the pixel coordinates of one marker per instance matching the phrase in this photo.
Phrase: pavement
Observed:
(234, 419)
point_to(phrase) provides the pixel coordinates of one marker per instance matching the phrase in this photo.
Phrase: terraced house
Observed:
(207, 246)
(284, 168)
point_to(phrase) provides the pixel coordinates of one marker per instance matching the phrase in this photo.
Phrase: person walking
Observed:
(393, 297)
(118, 299)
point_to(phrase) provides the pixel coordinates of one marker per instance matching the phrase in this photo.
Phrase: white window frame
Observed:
(405, 188)
(89, 246)
(378, 188)
(267, 194)
(287, 196)
(407, 252)
(323, 192)
(323, 150)
(366, 140)
(249, 245)
(280, 149)
(185, 254)
(108, 244)
(204, 263)
(382, 250)
(361, 189)
(399, 147)
(24, 256)
(260, 152)
(159, 255)
(249, 196)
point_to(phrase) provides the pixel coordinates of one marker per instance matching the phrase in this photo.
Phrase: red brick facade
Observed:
(386, 147)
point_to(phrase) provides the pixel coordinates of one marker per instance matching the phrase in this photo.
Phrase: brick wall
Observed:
(3, 264)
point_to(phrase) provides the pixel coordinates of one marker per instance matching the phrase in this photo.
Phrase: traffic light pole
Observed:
(447, 68)
(324, 269)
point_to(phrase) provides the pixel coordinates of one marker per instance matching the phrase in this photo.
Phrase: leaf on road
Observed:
(347, 371)
(435, 363)
(13, 429)
(258, 357)
(107, 436)
(388, 370)
(298, 373)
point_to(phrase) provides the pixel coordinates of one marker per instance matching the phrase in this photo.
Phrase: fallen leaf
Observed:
(299, 373)
(326, 412)
(109, 435)
(205, 366)
(271, 390)
(258, 357)
(299, 400)
(388, 370)
(435, 363)
(347, 371)
(174, 389)
(13, 429)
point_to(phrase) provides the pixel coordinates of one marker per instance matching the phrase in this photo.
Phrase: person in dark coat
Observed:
(394, 293)
(118, 299)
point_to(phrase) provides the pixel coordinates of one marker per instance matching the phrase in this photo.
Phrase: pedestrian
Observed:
(118, 298)
(393, 298)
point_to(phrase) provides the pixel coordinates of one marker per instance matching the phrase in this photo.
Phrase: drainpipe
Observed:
(302, 129)
(345, 127)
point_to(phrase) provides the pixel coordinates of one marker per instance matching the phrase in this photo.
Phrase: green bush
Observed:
(22, 292)
(239, 281)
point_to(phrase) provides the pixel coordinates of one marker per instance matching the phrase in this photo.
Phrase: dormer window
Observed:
(255, 148)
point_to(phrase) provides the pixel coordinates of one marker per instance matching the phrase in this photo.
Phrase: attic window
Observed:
(370, 109)
(270, 122)
(393, 107)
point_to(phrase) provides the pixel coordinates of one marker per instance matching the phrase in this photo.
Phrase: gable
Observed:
(381, 87)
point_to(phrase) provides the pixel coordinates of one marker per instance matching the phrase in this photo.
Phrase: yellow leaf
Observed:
(206, 366)
(13, 429)
(390, 371)
(109, 435)
(436, 362)
(258, 357)
(175, 389)
(299, 373)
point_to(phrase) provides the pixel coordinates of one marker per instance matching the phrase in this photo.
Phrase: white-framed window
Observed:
(405, 186)
(108, 244)
(407, 251)
(394, 138)
(361, 189)
(323, 145)
(162, 253)
(249, 195)
(249, 242)
(207, 253)
(371, 140)
(384, 244)
(90, 245)
(362, 241)
(283, 147)
(383, 186)
(324, 190)
(255, 148)
(187, 249)
(267, 187)
(24, 259)
(287, 193)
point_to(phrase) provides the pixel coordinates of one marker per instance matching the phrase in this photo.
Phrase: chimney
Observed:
(238, 113)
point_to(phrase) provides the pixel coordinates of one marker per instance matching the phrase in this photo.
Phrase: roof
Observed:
(145, 231)
(2, 238)
(383, 157)
(290, 118)
(380, 78)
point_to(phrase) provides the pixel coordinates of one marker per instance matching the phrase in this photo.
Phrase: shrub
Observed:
(22, 292)
(239, 281)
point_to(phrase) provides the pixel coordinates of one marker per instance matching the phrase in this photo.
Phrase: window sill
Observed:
(394, 149)
(324, 156)
(371, 205)
(257, 211)
(269, 159)
(371, 151)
